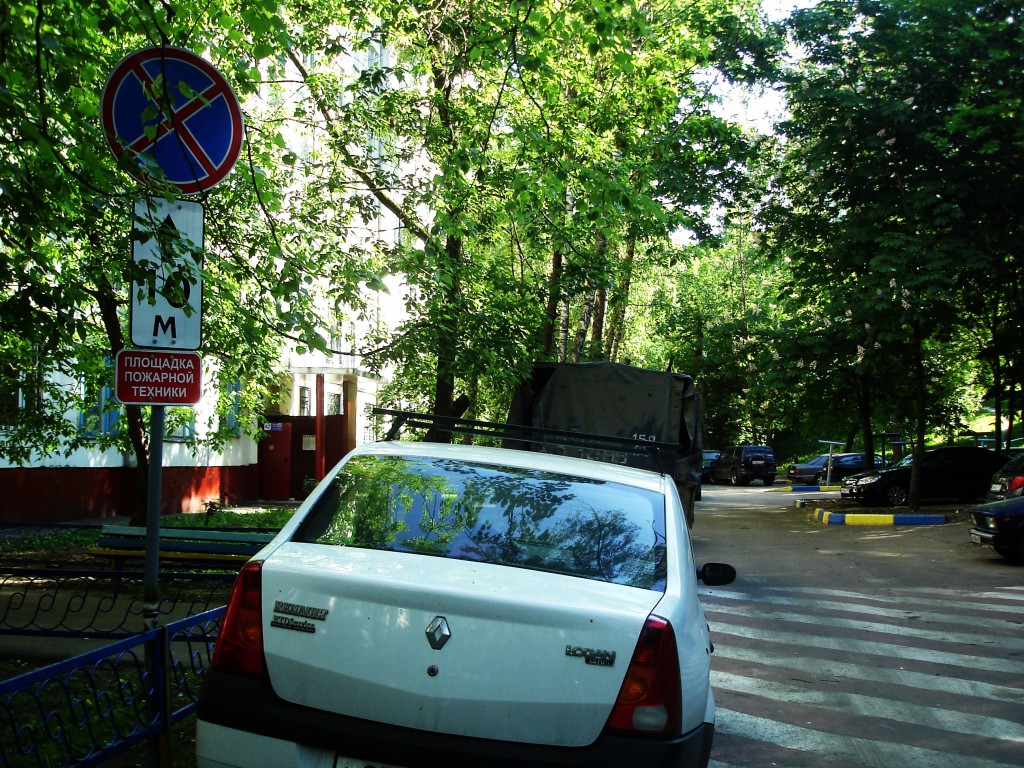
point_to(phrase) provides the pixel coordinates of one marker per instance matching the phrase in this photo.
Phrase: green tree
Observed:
(535, 154)
(65, 219)
(894, 148)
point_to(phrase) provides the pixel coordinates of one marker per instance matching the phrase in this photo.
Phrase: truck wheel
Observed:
(770, 480)
(735, 477)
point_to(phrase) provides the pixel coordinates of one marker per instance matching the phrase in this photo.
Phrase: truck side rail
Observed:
(663, 453)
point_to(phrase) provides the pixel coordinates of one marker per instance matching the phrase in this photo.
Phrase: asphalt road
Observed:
(847, 646)
(761, 532)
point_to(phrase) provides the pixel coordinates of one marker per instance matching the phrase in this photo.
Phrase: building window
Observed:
(334, 404)
(100, 417)
(10, 395)
(21, 391)
(180, 425)
(305, 408)
(233, 419)
(343, 337)
(338, 338)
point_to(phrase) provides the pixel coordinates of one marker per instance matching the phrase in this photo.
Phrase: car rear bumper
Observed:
(242, 723)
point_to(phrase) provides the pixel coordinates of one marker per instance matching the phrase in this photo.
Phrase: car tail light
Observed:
(1015, 485)
(650, 700)
(239, 646)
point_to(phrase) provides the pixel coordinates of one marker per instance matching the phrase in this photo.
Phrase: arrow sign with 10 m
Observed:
(167, 243)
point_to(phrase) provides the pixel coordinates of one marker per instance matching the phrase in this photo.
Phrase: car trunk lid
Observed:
(448, 646)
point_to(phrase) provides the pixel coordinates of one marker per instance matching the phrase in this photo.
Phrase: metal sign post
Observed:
(173, 119)
(156, 467)
(828, 469)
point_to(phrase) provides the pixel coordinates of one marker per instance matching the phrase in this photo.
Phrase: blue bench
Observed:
(216, 546)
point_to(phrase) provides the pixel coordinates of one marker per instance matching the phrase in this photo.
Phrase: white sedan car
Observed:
(449, 605)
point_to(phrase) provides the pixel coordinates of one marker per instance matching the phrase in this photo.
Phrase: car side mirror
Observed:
(716, 574)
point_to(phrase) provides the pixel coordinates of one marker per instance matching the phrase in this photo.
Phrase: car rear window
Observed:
(526, 518)
(1015, 464)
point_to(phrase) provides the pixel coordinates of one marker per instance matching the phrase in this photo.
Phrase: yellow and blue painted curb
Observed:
(806, 488)
(867, 518)
(858, 518)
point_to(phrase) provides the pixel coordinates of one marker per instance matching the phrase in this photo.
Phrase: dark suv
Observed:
(739, 464)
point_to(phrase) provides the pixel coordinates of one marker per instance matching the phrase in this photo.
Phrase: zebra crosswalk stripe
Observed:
(909, 677)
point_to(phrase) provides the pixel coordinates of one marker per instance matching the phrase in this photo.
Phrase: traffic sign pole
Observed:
(170, 109)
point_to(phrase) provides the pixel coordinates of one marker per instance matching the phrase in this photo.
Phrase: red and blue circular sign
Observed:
(170, 108)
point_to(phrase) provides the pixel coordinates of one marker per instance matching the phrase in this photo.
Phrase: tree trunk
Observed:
(618, 303)
(563, 331)
(106, 299)
(582, 327)
(596, 347)
(864, 411)
(547, 330)
(447, 340)
(997, 387)
(914, 497)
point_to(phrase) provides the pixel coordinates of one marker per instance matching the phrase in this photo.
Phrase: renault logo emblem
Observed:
(438, 633)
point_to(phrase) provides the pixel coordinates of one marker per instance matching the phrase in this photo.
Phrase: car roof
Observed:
(568, 465)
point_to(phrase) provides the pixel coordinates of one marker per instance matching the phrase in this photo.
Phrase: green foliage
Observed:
(65, 207)
(50, 540)
(887, 212)
(564, 144)
(223, 517)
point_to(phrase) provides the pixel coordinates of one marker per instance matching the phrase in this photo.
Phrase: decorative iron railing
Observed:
(82, 711)
(99, 603)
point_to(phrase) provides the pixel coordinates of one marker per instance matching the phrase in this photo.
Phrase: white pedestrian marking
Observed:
(890, 651)
(836, 747)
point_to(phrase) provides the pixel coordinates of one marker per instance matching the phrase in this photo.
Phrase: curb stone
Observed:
(848, 518)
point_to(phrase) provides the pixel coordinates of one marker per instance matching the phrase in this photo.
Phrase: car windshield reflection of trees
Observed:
(511, 516)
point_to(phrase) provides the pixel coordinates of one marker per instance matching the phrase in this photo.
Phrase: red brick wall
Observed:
(43, 495)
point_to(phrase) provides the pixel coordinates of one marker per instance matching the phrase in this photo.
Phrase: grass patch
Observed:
(49, 540)
(217, 516)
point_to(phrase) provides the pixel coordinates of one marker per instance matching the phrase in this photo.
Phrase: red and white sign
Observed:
(157, 377)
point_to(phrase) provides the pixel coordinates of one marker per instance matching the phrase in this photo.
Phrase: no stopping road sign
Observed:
(170, 107)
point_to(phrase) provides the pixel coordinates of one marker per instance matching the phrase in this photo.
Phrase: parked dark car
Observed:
(1008, 482)
(806, 473)
(816, 471)
(846, 464)
(961, 472)
(741, 464)
(1000, 524)
(705, 472)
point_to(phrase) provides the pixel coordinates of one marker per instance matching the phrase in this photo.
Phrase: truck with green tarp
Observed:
(656, 409)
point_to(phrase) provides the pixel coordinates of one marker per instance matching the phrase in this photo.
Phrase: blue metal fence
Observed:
(81, 711)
